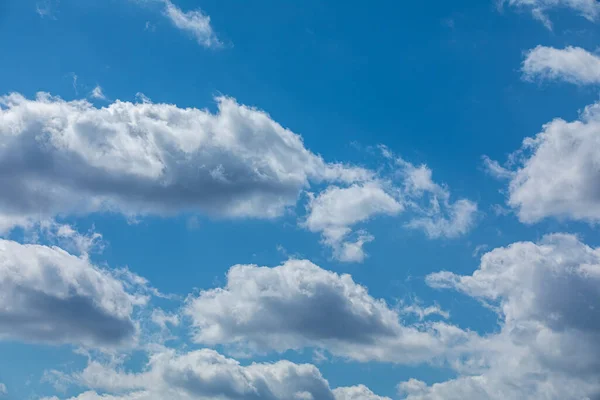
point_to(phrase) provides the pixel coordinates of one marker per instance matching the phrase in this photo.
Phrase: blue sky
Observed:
(405, 196)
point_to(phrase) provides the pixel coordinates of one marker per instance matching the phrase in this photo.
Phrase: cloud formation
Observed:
(195, 23)
(571, 64)
(206, 374)
(434, 212)
(335, 209)
(51, 296)
(556, 173)
(397, 186)
(299, 305)
(547, 295)
(68, 157)
(589, 9)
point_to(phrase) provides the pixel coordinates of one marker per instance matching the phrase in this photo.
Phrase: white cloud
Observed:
(194, 22)
(459, 219)
(206, 374)
(298, 305)
(68, 157)
(336, 209)
(547, 295)
(359, 392)
(51, 296)
(571, 64)
(395, 188)
(97, 93)
(556, 173)
(3, 389)
(161, 318)
(439, 217)
(493, 168)
(423, 312)
(589, 9)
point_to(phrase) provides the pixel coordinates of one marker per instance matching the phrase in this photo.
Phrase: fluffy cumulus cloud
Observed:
(335, 209)
(195, 23)
(3, 389)
(48, 295)
(68, 157)
(589, 9)
(397, 187)
(359, 392)
(571, 64)
(557, 172)
(299, 305)
(547, 295)
(206, 374)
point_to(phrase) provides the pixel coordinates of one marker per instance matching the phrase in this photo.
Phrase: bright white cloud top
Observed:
(556, 172)
(571, 64)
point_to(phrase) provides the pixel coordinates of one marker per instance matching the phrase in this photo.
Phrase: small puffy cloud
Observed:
(571, 64)
(51, 296)
(162, 318)
(97, 93)
(68, 157)
(299, 305)
(438, 217)
(206, 374)
(396, 188)
(3, 389)
(195, 23)
(589, 9)
(547, 296)
(556, 173)
(336, 209)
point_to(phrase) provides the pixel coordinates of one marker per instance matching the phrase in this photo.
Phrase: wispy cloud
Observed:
(194, 22)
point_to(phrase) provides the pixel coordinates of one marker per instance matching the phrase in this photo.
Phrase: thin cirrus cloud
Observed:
(194, 23)
(298, 305)
(206, 374)
(589, 9)
(50, 296)
(547, 298)
(571, 64)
